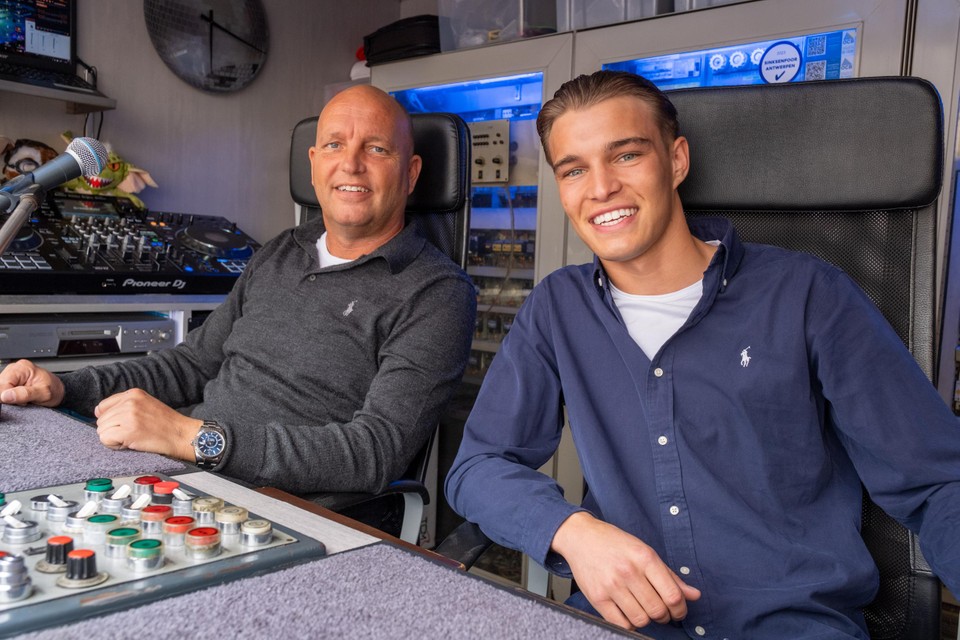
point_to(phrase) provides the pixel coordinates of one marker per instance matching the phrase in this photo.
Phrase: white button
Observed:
(312, 277)
(674, 510)
(700, 630)
(685, 570)
(658, 372)
(662, 440)
(724, 282)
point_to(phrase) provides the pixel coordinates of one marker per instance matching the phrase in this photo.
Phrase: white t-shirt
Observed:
(651, 320)
(326, 258)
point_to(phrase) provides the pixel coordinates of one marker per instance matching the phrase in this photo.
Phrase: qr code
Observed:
(816, 70)
(816, 45)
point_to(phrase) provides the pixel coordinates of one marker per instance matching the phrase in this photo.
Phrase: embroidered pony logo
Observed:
(349, 308)
(745, 358)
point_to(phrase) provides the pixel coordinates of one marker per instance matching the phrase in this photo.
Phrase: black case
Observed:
(407, 38)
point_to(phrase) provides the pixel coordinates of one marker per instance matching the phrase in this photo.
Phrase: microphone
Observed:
(83, 157)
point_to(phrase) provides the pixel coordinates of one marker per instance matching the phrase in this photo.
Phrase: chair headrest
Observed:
(441, 139)
(857, 144)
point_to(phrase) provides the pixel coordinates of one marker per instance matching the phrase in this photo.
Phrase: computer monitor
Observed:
(39, 33)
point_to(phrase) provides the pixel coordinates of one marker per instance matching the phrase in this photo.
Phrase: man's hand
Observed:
(23, 382)
(623, 578)
(136, 420)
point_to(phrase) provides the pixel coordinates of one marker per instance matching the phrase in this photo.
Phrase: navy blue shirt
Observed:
(736, 453)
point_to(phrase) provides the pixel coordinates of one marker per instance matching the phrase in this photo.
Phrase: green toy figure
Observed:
(119, 178)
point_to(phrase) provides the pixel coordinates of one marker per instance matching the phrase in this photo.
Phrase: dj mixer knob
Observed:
(55, 556)
(82, 570)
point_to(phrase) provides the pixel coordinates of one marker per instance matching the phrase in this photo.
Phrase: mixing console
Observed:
(104, 245)
(80, 550)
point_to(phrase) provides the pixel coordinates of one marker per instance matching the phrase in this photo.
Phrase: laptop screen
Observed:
(39, 33)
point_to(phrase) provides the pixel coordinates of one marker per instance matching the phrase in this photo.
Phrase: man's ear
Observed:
(681, 160)
(413, 172)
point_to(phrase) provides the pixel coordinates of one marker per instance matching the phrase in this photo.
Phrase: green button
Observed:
(102, 518)
(145, 548)
(99, 484)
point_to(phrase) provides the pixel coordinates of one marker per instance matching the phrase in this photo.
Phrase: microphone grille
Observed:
(90, 153)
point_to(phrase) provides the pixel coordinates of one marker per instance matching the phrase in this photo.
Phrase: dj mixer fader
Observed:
(74, 551)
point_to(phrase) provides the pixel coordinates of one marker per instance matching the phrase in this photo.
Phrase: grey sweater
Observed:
(324, 379)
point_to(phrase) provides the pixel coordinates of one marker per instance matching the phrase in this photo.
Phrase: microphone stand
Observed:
(28, 203)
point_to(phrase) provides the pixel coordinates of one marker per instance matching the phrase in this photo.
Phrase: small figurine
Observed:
(23, 156)
(119, 178)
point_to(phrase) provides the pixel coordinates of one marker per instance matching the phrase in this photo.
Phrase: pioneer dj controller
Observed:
(91, 244)
(79, 550)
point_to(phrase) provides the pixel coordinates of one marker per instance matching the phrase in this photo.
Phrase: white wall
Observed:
(410, 8)
(214, 154)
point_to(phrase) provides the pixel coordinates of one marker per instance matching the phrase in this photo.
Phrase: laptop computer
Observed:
(38, 43)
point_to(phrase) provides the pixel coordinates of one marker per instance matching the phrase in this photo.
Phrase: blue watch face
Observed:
(210, 444)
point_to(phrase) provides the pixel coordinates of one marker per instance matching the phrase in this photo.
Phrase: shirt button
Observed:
(312, 277)
(662, 440)
(658, 372)
(724, 282)
(674, 510)
(700, 631)
(685, 570)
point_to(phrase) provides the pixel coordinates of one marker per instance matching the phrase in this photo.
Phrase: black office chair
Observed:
(439, 206)
(850, 171)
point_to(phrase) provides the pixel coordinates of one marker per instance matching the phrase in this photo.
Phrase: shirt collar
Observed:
(398, 252)
(728, 254)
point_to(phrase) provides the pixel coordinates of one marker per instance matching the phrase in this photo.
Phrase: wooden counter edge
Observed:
(314, 508)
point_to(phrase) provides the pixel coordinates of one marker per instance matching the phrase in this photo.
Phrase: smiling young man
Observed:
(716, 394)
(327, 366)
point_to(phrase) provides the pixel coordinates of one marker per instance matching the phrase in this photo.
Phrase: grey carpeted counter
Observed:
(364, 591)
(375, 592)
(42, 448)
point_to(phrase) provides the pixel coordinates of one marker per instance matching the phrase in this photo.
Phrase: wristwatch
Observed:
(209, 445)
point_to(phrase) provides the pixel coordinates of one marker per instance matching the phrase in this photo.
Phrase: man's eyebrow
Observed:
(611, 146)
(625, 142)
(565, 160)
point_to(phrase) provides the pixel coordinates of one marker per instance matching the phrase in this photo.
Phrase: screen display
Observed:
(502, 98)
(38, 32)
(816, 56)
(76, 206)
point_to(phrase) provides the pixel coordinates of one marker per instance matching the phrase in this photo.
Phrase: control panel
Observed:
(104, 245)
(490, 142)
(79, 550)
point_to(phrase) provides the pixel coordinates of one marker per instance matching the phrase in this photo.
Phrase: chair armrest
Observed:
(337, 501)
(465, 544)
